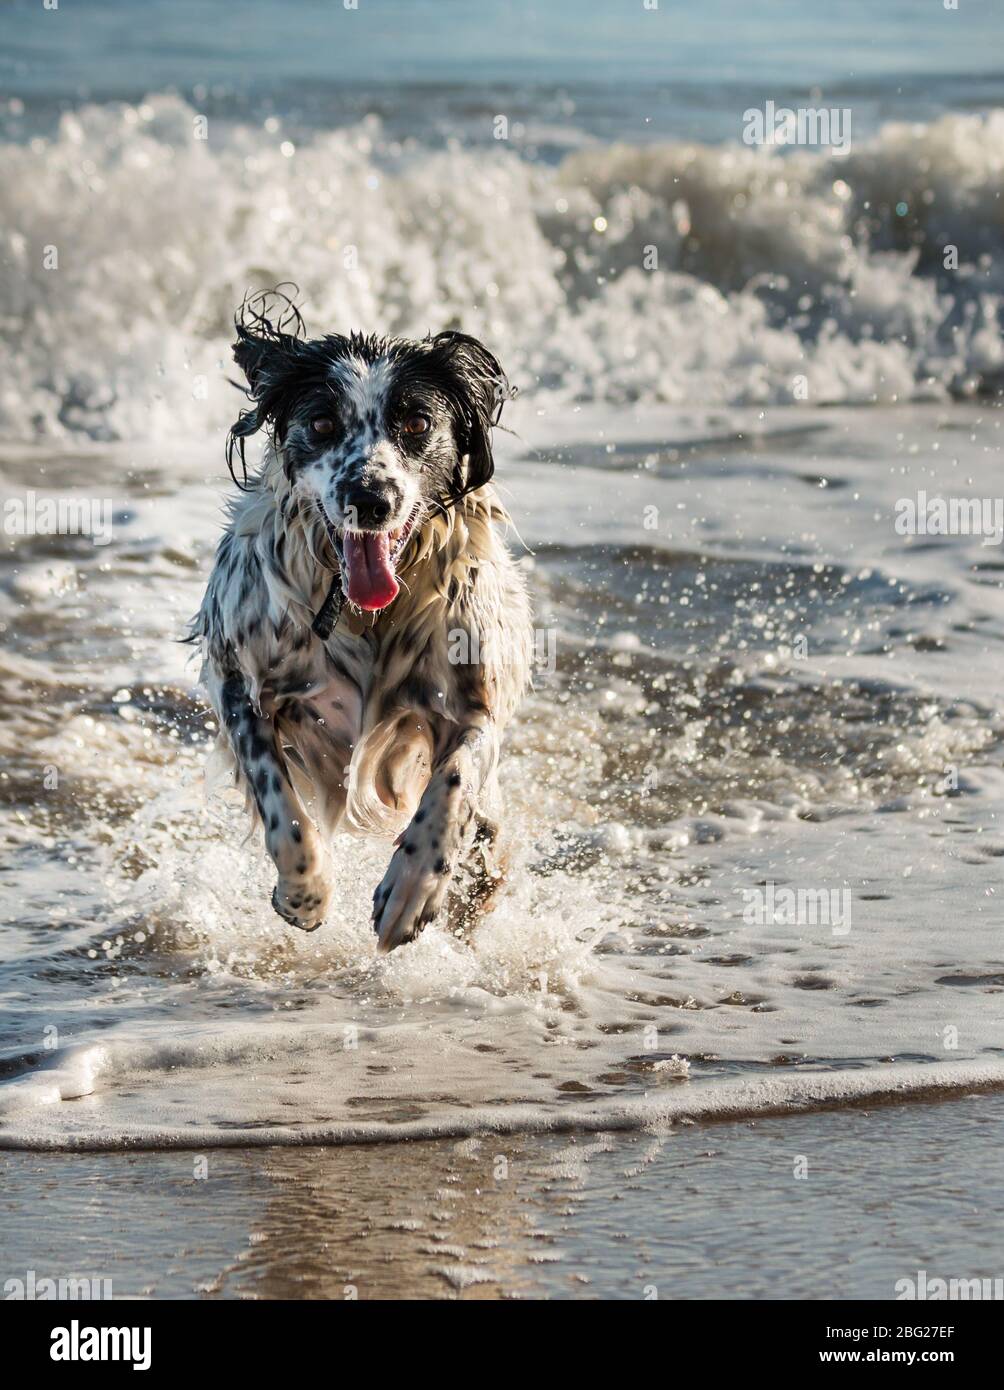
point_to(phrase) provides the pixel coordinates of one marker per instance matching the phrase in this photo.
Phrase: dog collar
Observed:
(333, 611)
(330, 610)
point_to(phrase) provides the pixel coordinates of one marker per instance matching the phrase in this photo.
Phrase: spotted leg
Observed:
(478, 879)
(302, 893)
(441, 831)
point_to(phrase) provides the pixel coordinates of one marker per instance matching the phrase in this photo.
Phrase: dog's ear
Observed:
(251, 353)
(483, 390)
(267, 352)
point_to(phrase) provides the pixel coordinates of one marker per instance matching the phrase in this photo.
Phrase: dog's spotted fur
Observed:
(392, 723)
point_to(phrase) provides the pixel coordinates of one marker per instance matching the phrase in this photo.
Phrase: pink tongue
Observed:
(368, 570)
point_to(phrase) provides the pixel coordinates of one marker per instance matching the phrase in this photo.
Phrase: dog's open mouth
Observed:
(368, 560)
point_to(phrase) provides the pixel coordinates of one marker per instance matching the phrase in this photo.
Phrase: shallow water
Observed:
(757, 681)
(750, 683)
(825, 1205)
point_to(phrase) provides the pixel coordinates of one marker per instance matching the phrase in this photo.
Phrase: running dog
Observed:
(366, 634)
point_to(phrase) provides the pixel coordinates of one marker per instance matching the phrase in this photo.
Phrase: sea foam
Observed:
(671, 273)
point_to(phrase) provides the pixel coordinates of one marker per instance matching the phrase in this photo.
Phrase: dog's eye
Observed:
(322, 424)
(417, 424)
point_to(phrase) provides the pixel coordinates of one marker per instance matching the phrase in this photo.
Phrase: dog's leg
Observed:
(302, 894)
(478, 879)
(441, 831)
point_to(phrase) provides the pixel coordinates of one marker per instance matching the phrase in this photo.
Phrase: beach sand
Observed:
(701, 1211)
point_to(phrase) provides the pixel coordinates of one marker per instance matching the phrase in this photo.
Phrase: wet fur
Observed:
(391, 725)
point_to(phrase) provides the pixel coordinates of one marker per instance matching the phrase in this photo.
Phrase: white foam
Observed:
(772, 268)
(617, 977)
(754, 1098)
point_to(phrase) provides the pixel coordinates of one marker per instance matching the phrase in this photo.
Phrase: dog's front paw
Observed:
(411, 894)
(302, 902)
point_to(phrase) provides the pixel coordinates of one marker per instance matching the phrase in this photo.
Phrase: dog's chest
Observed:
(345, 681)
(322, 687)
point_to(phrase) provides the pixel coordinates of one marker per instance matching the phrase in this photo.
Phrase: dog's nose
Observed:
(365, 509)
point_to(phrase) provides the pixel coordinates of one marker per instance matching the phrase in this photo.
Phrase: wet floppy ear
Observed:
(267, 363)
(267, 352)
(484, 388)
(270, 330)
(251, 354)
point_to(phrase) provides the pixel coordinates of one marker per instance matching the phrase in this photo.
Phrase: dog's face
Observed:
(374, 433)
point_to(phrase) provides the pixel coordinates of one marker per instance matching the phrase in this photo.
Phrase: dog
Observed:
(365, 632)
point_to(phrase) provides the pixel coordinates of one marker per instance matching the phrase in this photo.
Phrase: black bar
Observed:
(255, 1337)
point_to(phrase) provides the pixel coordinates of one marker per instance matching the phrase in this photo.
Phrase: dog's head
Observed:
(376, 433)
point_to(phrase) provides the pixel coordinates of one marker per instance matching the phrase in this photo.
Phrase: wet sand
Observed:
(700, 1211)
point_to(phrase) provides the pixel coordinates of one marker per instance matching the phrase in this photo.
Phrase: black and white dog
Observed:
(365, 632)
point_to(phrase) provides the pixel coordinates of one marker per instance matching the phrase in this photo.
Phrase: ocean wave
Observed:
(49, 1125)
(660, 273)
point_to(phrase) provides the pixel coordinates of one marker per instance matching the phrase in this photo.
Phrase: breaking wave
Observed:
(714, 274)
